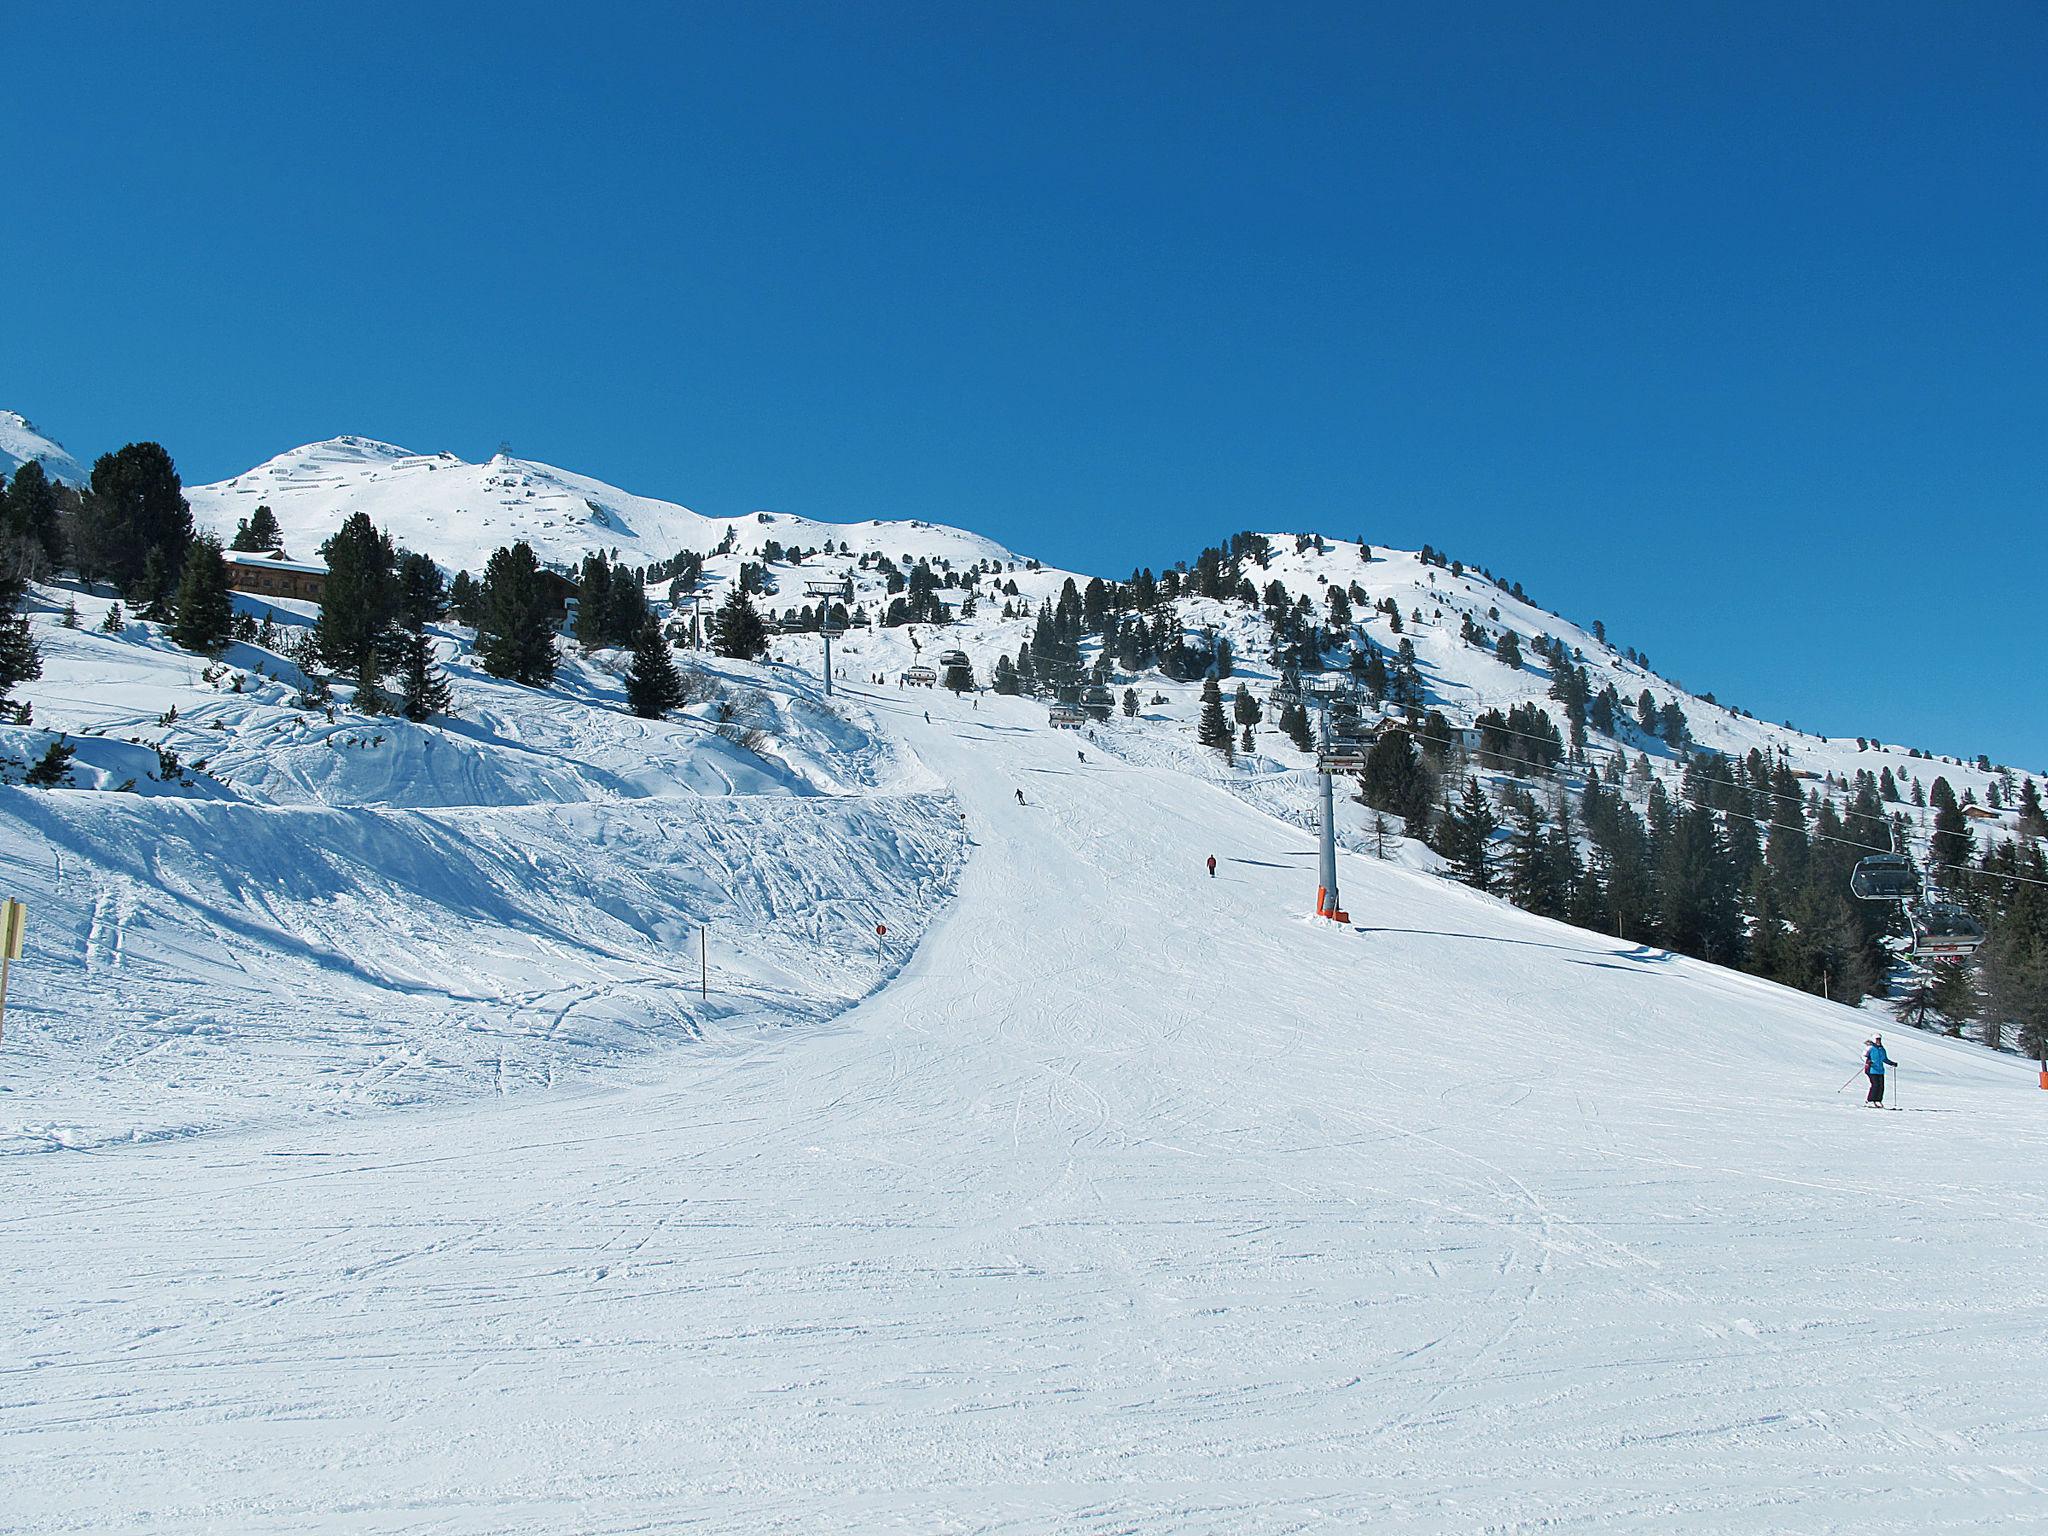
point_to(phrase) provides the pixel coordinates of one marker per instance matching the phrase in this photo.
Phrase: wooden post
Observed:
(13, 919)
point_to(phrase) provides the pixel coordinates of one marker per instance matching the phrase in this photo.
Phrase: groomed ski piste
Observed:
(375, 1161)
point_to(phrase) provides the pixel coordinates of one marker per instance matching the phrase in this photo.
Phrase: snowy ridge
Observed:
(460, 512)
(20, 442)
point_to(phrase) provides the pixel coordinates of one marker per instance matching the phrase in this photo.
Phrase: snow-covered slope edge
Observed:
(20, 442)
(362, 912)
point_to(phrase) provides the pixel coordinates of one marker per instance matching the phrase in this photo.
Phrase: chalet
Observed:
(275, 576)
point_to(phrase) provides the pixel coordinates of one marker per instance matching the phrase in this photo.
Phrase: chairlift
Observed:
(1944, 933)
(1066, 717)
(952, 659)
(921, 677)
(1885, 877)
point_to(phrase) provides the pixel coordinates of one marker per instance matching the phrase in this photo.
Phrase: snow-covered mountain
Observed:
(459, 512)
(516, 1122)
(20, 442)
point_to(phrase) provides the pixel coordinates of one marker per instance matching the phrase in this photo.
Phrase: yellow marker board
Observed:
(13, 921)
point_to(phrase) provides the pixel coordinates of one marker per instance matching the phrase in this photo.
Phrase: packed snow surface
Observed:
(1135, 1200)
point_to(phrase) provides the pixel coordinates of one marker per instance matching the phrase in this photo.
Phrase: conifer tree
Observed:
(515, 619)
(422, 597)
(258, 533)
(358, 606)
(53, 768)
(465, 598)
(31, 512)
(203, 618)
(20, 660)
(737, 630)
(653, 686)
(423, 691)
(1949, 849)
(134, 509)
(1465, 837)
(1130, 703)
(1212, 730)
(1509, 651)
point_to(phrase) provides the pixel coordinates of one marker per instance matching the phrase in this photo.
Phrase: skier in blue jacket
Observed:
(1874, 1063)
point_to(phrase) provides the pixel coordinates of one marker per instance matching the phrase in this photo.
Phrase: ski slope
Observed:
(1136, 1201)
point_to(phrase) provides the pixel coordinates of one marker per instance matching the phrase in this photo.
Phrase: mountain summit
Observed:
(20, 442)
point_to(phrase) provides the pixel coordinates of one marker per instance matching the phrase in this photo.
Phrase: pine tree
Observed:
(1509, 651)
(423, 691)
(20, 660)
(1130, 703)
(1466, 837)
(515, 619)
(422, 597)
(32, 515)
(258, 533)
(360, 601)
(653, 686)
(737, 631)
(1212, 730)
(1949, 849)
(134, 509)
(959, 678)
(465, 598)
(1396, 780)
(153, 589)
(204, 614)
(53, 768)
(370, 697)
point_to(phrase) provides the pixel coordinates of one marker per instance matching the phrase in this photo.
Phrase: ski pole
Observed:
(1845, 1087)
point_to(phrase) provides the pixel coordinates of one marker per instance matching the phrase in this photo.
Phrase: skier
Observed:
(1020, 797)
(1082, 755)
(1212, 866)
(927, 717)
(1874, 1063)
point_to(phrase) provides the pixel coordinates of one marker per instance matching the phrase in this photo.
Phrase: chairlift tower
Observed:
(1328, 903)
(824, 591)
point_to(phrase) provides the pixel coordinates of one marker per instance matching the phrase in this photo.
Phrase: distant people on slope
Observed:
(1212, 866)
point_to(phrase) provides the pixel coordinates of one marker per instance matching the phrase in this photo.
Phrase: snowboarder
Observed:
(1874, 1063)
(1212, 866)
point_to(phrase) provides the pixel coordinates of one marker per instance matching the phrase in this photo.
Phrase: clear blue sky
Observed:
(1725, 324)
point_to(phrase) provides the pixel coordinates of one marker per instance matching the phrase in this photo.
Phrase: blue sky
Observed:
(1726, 324)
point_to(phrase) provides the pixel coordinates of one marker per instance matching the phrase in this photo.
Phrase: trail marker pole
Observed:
(13, 919)
(704, 962)
(881, 932)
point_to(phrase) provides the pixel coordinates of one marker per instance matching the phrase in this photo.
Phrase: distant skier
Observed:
(1874, 1063)
(1212, 866)
(1020, 797)
(1082, 755)
(927, 717)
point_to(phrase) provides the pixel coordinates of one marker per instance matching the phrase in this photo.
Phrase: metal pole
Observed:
(826, 630)
(1326, 793)
(5, 962)
(704, 961)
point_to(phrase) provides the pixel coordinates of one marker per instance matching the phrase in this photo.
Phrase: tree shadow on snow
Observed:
(1639, 954)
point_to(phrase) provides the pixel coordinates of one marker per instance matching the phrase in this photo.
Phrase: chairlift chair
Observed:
(1066, 717)
(1885, 877)
(1943, 933)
